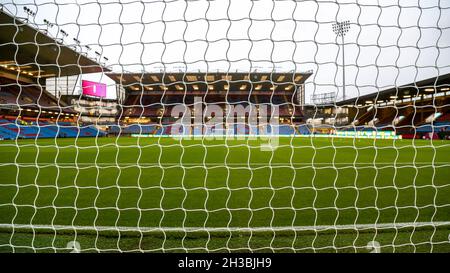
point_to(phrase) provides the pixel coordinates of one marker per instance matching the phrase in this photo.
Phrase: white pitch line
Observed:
(93, 164)
(228, 229)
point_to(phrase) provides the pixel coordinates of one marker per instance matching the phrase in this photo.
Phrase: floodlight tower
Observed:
(340, 29)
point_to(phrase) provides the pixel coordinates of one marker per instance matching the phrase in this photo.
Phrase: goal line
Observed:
(377, 226)
(219, 164)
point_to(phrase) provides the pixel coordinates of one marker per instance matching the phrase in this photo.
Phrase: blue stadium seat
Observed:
(303, 129)
(286, 130)
(12, 129)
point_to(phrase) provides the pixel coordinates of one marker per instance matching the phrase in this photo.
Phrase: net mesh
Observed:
(192, 126)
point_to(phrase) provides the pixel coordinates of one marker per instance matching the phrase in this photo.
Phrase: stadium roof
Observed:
(214, 83)
(432, 86)
(28, 52)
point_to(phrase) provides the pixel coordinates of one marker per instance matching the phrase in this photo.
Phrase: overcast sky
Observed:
(391, 42)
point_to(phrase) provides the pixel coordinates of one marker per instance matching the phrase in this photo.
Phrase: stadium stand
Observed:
(13, 129)
(31, 112)
(303, 129)
(412, 111)
(154, 95)
(27, 109)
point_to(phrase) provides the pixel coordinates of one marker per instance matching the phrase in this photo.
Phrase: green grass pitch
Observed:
(193, 183)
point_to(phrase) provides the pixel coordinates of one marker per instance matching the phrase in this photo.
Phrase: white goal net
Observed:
(224, 126)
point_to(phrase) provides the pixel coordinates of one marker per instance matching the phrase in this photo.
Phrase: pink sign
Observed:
(93, 88)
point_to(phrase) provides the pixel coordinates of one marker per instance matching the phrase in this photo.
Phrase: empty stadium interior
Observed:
(341, 165)
(415, 110)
